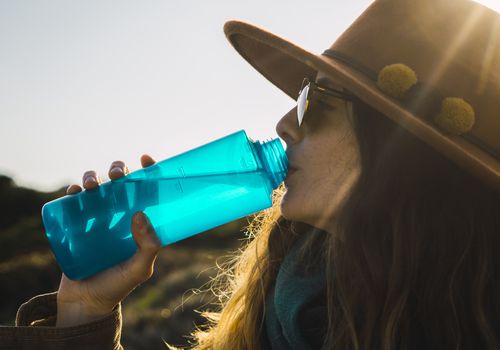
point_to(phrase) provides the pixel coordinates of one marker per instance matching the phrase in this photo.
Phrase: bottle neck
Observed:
(273, 159)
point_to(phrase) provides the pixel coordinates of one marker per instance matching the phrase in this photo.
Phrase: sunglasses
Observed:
(306, 91)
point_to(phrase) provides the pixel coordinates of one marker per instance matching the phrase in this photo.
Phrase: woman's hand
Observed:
(95, 297)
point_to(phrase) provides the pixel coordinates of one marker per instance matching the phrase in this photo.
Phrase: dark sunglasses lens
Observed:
(302, 104)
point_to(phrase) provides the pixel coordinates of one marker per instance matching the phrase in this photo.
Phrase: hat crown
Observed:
(453, 46)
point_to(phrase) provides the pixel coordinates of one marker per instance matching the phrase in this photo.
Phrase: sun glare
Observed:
(492, 4)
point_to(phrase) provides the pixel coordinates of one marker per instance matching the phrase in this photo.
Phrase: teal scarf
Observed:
(295, 316)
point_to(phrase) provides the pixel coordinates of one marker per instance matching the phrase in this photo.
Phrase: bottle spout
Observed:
(274, 160)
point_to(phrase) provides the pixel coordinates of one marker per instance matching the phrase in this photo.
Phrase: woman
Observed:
(387, 233)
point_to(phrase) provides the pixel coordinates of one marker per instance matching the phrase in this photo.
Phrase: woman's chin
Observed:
(291, 208)
(294, 208)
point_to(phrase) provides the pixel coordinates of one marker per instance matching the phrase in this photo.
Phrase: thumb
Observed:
(142, 262)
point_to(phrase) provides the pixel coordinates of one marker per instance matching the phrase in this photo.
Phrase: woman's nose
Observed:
(287, 127)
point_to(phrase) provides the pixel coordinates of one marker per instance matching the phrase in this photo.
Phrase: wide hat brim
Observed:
(285, 65)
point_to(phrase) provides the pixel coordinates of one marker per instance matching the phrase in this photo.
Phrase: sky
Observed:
(84, 83)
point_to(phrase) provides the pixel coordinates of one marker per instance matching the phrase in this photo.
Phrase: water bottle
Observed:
(190, 193)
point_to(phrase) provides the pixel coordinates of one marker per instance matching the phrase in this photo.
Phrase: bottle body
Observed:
(182, 196)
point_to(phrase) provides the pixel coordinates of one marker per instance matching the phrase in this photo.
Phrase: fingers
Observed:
(90, 180)
(117, 170)
(147, 160)
(140, 267)
(73, 189)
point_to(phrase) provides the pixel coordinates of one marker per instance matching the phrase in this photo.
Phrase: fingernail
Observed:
(117, 170)
(139, 219)
(89, 179)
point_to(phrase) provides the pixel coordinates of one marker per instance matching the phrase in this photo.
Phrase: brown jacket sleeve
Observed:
(35, 329)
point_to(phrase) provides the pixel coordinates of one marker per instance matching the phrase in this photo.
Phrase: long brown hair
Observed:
(414, 262)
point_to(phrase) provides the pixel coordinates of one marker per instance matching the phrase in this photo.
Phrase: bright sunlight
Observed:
(492, 4)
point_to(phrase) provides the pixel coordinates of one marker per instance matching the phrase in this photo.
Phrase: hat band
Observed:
(349, 61)
(420, 89)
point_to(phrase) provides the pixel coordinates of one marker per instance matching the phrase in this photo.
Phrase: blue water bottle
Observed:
(184, 195)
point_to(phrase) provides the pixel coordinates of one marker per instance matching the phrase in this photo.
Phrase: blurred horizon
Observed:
(87, 83)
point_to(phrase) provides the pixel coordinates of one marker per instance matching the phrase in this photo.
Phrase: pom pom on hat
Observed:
(456, 116)
(396, 79)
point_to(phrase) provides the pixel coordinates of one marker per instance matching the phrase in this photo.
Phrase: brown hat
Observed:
(432, 66)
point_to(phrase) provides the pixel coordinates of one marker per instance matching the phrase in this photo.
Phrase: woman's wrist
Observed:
(74, 314)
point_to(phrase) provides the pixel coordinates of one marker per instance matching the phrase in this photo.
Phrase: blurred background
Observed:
(84, 83)
(162, 308)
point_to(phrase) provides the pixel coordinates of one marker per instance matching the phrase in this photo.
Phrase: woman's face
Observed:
(324, 158)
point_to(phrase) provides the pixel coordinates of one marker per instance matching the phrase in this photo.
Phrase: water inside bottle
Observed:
(95, 219)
